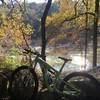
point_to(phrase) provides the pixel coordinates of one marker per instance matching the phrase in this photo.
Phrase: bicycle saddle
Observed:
(65, 59)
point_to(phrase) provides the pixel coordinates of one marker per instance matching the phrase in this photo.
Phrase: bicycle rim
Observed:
(24, 83)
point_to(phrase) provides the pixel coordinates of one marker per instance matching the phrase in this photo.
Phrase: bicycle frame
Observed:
(45, 67)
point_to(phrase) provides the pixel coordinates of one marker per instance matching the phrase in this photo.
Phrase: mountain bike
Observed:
(25, 81)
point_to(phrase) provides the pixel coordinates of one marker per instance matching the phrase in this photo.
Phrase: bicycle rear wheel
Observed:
(80, 85)
(23, 84)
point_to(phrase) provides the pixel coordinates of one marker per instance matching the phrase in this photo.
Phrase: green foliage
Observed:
(2, 61)
(14, 51)
(12, 61)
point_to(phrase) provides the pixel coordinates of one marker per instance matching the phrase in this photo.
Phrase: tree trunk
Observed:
(95, 33)
(86, 34)
(43, 22)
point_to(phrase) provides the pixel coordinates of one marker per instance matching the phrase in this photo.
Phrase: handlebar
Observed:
(30, 51)
(65, 59)
(38, 54)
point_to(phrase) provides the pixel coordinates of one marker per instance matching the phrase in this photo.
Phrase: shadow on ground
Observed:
(89, 92)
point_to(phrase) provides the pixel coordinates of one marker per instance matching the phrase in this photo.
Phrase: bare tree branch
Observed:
(10, 12)
(22, 9)
(75, 7)
(77, 16)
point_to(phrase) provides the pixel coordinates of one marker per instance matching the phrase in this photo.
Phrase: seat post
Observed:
(65, 61)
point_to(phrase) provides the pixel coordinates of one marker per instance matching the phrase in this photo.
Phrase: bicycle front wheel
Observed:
(80, 85)
(23, 84)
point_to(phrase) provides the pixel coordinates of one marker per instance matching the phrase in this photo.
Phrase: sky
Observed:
(37, 1)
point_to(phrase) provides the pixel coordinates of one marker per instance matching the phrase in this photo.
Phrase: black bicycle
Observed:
(24, 82)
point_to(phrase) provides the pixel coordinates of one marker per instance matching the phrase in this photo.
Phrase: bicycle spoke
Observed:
(24, 83)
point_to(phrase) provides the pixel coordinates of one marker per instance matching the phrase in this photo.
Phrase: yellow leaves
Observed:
(17, 15)
(66, 10)
(91, 5)
(2, 34)
(27, 29)
(13, 28)
(55, 19)
(2, 16)
(66, 7)
(18, 41)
